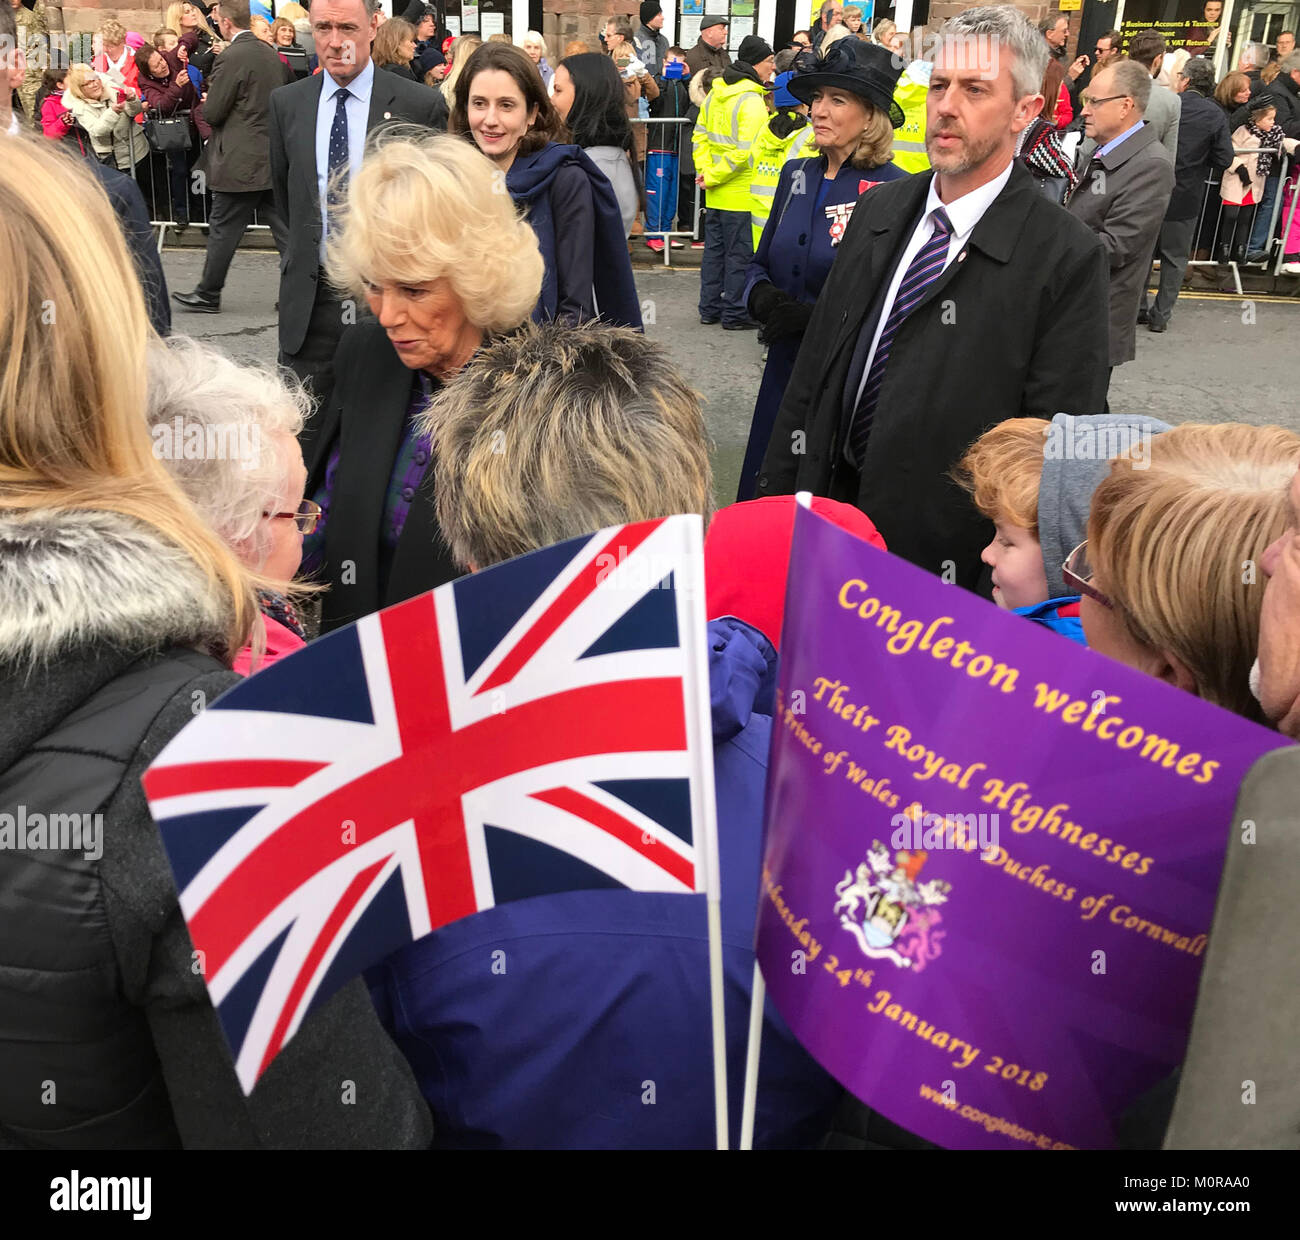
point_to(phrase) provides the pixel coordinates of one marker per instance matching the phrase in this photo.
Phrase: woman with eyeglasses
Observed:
(445, 262)
(247, 481)
(1169, 573)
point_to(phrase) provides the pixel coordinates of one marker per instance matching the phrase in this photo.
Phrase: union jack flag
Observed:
(541, 726)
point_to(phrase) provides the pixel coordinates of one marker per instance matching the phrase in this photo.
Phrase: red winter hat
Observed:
(747, 556)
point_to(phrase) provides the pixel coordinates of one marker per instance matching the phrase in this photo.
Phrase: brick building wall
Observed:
(942, 10)
(563, 20)
(566, 20)
(584, 19)
(85, 16)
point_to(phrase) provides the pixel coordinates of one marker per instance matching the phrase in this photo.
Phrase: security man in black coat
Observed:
(958, 299)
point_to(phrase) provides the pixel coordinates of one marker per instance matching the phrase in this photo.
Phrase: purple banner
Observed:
(991, 855)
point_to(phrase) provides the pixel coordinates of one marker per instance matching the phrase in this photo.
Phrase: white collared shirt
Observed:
(357, 108)
(963, 214)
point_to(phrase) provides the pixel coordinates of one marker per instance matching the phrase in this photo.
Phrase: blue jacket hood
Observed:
(596, 994)
(529, 182)
(742, 676)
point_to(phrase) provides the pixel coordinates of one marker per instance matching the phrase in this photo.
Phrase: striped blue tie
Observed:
(925, 268)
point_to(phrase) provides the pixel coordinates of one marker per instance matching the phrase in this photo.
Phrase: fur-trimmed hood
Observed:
(75, 579)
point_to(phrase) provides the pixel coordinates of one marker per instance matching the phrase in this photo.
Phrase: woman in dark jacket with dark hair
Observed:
(166, 90)
(588, 94)
(501, 104)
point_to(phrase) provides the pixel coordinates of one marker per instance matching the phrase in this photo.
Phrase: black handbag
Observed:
(169, 135)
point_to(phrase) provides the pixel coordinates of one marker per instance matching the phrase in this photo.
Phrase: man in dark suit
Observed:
(236, 160)
(959, 298)
(1123, 192)
(1204, 149)
(318, 137)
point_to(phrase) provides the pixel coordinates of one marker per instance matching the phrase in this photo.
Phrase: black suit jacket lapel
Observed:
(382, 100)
(303, 140)
(885, 239)
(422, 560)
(374, 398)
(996, 234)
(882, 240)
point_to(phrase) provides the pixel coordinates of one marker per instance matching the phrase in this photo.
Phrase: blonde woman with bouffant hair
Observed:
(431, 207)
(1172, 584)
(431, 241)
(73, 329)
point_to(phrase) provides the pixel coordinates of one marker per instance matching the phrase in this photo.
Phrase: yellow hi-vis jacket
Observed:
(909, 141)
(730, 120)
(766, 159)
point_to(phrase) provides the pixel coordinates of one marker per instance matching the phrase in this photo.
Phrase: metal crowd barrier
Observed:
(161, 193)
(1223, 231)
(667, 136)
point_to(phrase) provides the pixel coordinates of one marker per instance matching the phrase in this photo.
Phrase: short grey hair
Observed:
(1011, 31)
(555, 432)
(1199, 74)
(232, 413)
(1132, 79)
(371, 7)
(1291, 63)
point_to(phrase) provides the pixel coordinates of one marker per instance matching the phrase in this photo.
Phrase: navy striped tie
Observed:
(925, 268)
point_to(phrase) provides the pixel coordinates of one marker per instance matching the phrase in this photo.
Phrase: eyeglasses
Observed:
(1089, 102)
(305, 518)
(1078, 573)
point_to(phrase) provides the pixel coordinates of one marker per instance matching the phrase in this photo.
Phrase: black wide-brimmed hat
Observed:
(864, 69)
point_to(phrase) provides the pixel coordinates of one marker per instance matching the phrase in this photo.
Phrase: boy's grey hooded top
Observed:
(1077, 452)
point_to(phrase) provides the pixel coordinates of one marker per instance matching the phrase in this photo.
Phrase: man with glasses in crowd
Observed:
(1123, 191)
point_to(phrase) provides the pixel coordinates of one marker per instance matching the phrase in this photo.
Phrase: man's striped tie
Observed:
(925, 268)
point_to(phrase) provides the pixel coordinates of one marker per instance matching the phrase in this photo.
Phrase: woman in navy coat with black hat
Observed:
(850, 93)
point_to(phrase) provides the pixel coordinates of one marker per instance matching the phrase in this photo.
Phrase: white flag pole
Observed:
(719, 1020)
(757, 997)
(700, 723)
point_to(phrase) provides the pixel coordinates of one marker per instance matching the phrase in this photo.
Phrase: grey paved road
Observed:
(1221, 360)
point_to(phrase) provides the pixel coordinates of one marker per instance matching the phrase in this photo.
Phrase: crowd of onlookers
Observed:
(469, 384)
